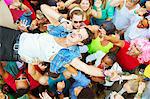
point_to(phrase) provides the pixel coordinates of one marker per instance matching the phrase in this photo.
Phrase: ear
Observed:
(80, 43)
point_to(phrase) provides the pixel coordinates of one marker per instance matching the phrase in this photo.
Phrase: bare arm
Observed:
(3, 73)
(90, 70)
(33, 72)
(114, 40)
(50, 14)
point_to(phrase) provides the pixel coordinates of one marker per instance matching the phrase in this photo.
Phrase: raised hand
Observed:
(44, 95)
(23, 25)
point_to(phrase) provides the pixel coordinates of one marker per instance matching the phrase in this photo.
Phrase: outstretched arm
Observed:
(90, 70)
(33, 72)
(114, 40)
(54, 17)
(3, 73)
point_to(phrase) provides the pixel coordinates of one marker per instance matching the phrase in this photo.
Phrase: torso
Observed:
(40, 46)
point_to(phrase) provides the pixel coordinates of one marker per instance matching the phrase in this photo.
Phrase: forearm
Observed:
(49, 12)
(71, 69)
(1, 69)
(90, 70)
(69, 2)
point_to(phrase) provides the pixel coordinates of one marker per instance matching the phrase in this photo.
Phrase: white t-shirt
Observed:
(122, 16)
(134, 32)
(37, 46)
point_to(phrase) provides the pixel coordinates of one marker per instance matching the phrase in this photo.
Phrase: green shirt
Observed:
(108, 12)
(95, 46)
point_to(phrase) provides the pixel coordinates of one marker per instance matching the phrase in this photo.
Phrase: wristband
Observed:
(60, 18)
(59, 93)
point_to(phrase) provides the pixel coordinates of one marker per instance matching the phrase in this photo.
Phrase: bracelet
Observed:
(104, 73)
(58, 92)
(60, 18)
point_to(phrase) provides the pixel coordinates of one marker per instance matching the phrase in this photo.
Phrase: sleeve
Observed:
(98, 54)
(83, 49)
(110, 11)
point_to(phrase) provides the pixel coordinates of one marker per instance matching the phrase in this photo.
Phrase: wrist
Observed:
(59, 92)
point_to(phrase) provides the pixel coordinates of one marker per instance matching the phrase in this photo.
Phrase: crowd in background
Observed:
(78, 49)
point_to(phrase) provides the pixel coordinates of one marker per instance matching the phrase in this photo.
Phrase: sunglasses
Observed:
(77, 21)
(21, 78)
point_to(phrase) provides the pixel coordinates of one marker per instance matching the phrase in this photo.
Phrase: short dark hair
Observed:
(89, 39)
(112, 56)
(109, 27)
(86, 93)
(20, 92)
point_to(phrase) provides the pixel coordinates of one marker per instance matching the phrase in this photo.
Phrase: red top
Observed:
(16, 14)
(126, 62)
(10, 80)
(33, 15)
(87, 22)
(101, 67)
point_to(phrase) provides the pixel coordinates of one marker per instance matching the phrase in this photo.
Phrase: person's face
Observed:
(134, 51)
(85, 4)
(2, 96)
(106, 62)
(143, 23)
(147, 4)
(77, 21)
(130, 4)
(22, 82)
(115, 3)
(77, 36)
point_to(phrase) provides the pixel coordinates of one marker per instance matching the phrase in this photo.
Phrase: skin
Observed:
(130, 5)
(78, 18)
(22, 83)
(77, 36)
(2, 96)
(143, 23)
(147, 4)
(85, 4)
(134, 51)
(106, 62)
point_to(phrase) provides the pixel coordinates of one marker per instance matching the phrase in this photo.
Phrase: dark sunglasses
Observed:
(77, 21)
(21, 79)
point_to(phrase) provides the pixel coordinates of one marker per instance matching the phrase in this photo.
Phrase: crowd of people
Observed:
(74, 49)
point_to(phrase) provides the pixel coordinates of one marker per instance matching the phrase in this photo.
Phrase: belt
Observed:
(15, 48)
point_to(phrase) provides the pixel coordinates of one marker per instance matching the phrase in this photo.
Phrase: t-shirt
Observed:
(10, 80)
(96, 45)
(37, 46)
(126, 61)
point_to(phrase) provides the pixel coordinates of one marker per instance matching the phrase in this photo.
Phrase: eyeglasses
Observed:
(77, 21)
(21, 78)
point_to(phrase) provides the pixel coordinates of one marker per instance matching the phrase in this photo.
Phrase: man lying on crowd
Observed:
(56, 47)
